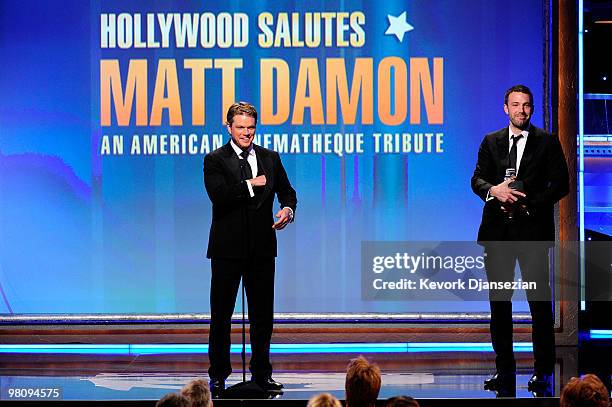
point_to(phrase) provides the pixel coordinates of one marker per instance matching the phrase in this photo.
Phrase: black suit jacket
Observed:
(241, 225)
(542, 169)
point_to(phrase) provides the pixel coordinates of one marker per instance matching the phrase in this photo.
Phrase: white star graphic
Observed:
(398, 26)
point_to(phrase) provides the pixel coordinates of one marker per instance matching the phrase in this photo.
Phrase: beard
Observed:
(520, 123)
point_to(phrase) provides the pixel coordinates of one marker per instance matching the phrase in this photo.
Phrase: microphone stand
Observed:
(244, 389)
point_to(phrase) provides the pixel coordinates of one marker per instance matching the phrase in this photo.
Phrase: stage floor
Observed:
(149, 377)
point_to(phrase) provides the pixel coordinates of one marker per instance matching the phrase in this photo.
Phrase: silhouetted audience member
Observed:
(324, 400)
(173, 400)
(198, 393)
(585, 391)
(401, 401)
(362, 383)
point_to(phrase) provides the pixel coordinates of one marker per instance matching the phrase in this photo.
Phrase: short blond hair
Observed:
(241, 108)
(324, 400)
(198, 393)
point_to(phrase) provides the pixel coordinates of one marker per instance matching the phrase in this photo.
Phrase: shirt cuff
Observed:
(290, 213)
(250, 188)
(489, 196)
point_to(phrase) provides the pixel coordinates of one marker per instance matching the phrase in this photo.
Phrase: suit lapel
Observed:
(232, 160)
(264, 162)
(533, 140)
(503, 147)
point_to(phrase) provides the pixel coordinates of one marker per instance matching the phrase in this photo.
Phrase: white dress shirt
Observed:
(520, 149)
(520, 145)
(252, 161)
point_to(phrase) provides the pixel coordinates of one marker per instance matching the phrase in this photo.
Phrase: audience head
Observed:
(173, 400)
(362, 383)
(324, 400)
(198, 393)
(585, 391)
(401, 401)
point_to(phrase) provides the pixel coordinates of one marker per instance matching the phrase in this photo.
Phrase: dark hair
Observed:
(401, 401)
(173, 400)
(239, 108)
(519, 89)
(362, 383)
(586, 391)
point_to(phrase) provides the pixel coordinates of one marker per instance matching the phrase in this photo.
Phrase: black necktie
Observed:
(245, 167)
(513, 153)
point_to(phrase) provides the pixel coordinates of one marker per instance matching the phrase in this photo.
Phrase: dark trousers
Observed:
(500, 261)
(259, 286)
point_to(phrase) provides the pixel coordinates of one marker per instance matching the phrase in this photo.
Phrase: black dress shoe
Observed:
(501, 381)
(268, 384)
(217, 386)
(539, 382)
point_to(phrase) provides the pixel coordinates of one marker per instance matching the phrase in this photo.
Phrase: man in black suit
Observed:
(241, 180)
(519, 211)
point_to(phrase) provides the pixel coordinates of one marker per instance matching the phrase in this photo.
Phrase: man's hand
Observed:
(503, 193)
(284, 216)
(258, 181)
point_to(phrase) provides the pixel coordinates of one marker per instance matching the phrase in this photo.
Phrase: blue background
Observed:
(84, 233)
